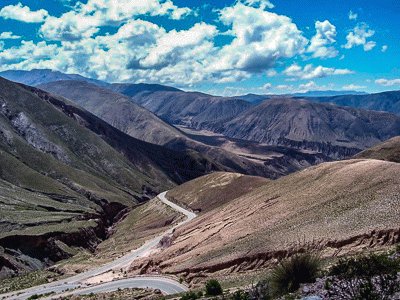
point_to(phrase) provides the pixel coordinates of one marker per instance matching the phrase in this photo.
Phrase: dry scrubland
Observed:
(343, 206)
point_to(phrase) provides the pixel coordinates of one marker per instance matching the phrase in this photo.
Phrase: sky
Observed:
(222, 47)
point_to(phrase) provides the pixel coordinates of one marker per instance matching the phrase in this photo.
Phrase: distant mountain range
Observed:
(290, 121)
(297, 123)
(41, 76)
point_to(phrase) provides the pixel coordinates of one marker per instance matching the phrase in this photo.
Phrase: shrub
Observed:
(368, 277)
(189, 296)
(260, 291)
(213, 288)
(289, 274)
(365, 266)
(240, 295)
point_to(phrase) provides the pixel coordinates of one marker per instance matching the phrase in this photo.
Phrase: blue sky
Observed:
(221, 47)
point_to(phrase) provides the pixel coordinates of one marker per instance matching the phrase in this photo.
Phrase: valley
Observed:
(247, 185)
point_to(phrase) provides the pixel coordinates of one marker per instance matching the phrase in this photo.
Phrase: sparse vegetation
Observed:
(190, 296)
(290, 273)
(213, 287)
(366, 277)
(26, 281)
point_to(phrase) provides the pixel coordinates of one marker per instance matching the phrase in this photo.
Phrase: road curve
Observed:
(165, 285)
(75, 283)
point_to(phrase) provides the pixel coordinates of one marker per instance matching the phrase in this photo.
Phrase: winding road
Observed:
(76, 285)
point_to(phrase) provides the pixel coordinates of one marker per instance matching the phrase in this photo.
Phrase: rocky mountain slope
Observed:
(340, 207)
(119, 111)
(116, 109)
(329, 129)
(196, 110)
(66, 175)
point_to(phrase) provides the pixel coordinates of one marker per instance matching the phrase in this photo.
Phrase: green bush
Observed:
(367, 277)
(365, 266)
(213, 288)
(190, 296)
(289, 274)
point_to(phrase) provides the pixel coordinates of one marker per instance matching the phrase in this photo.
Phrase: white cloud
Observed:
(263, 4)
(267, 86)
(271, 73)
(143, 51)
(353, 16)
(261, 38)
(353, 87)
(8, 35)
(28, 56)
(384, 48)
(369, 46)
(23, 13)
(170, 48)
(359, 36)
(312, 86)
(388, 82)
(320, 45)
(85, 19)
(311, 72)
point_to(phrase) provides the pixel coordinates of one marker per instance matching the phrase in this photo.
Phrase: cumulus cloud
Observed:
(23, 13)
(388, 82)
(353, 16)
(359, 36)
(28, 55)
(8, 35)
(175, 45)
(311, 72)
(384, 48)
(263, 4)
(260, 39)
(320, 45)
(140, 50)
(86, 19)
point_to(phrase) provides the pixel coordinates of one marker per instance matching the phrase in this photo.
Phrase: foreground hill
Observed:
(339, 207)
(388, 150)
(65, 176)
(332, 130)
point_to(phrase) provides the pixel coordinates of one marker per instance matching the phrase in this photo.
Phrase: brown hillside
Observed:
(211, 191)
(389, 151)
(347, 205)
